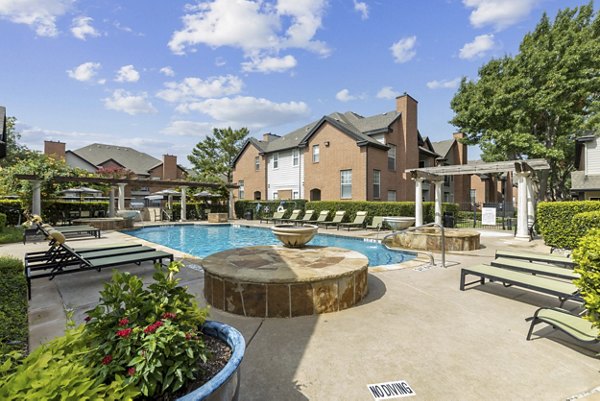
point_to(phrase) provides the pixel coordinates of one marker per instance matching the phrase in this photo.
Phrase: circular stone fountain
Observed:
(277, 281)
(430, 239)
(294, 236)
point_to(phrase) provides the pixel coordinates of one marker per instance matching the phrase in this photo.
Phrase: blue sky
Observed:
(159, 75)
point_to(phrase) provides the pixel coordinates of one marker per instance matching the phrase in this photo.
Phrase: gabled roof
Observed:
(443, 147)
(249, 141)
(92, 165)
(347, 128)
(138, 162)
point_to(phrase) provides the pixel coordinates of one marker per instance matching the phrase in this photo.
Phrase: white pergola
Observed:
(523, 170)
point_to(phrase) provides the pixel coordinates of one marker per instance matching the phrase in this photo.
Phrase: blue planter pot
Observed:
(225, 385)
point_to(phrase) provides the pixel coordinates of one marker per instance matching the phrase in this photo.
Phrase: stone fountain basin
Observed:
(399, 223)
(294, 236)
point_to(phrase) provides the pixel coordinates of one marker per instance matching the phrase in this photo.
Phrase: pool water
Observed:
(201, 241)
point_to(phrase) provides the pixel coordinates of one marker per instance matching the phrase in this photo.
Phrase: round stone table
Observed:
(274, 281)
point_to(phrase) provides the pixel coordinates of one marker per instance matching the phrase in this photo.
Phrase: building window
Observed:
(257, 163)
(391, 196)
(276, 160)
(295, 157)
(241, 189)
(376, 184)
(315, 153)
(256, 195)
(275, 195)
(295, 195)
(422, 164)
(346, 184)
(392, 157)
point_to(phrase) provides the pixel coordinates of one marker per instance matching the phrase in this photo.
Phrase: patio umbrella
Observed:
(169, 193)
(205, 194)
(81, 191)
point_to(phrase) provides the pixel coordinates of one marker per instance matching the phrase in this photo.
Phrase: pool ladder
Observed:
(429, 254)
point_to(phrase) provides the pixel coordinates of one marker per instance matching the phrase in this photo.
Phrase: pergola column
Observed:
(183, 204)
(438, 201)
(522, 226)
(418, 201)
(530, 202)
(121, 205)
(111, 202)
(36, 203)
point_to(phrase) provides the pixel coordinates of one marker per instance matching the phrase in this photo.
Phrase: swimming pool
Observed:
(201, 241)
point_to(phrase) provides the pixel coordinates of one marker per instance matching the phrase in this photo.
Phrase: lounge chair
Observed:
(337, 219)
(563, 320)
(308, 215)
(53, 251)
(537, 257)
(321, 219)
(561, 289)
(276, 216)
(69, 231)
(359, 221)
(295, 214)
(535, 268)
(376, 224)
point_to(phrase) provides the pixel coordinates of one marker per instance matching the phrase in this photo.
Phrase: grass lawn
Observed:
(11, 234)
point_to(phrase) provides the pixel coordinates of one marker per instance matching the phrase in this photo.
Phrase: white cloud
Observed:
(192, 89)
(188, 128)
(344, 96)
(404, 49)
(127, 73)
(270, 64)
(124, 101)
(84, 72)
(250, 111)
(362, 8)
(82, 27)
(444, 84)
(387, 93)
(498, 13)
(167, 71)
(253, 26)
(477, 47)
(39, 14)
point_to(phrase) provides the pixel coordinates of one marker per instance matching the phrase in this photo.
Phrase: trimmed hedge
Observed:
(14, 330)
(556, 224)
(57, 210)
(2, 221)
(351, 207)
(195, 210)
(13, 209)
(587, 257)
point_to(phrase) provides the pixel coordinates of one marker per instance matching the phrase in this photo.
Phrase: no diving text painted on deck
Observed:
(389, 390)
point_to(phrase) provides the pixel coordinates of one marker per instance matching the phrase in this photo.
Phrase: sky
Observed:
(158, 76)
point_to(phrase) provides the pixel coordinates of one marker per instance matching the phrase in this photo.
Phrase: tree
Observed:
(532, 105)
(213, 157)
(14, 150)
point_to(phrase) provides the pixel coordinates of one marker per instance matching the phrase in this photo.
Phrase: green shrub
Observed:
(10, 235)
(54, 211)
(2, 221)
(13, 209)
(555, 221)
(583, 222)
(261, 209)
(196, 210)
(13, 307)
(587, 257)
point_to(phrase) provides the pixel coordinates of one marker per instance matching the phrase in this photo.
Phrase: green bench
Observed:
(563, 320)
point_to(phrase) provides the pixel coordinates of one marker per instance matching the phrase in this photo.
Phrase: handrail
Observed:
(417, 228)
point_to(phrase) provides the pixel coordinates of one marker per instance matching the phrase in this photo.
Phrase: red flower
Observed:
(169, 315)
(124, 333)
(188, 336)
(153, 327)
(131, 371)
(123, 322)
(106, 360)
(88, 318)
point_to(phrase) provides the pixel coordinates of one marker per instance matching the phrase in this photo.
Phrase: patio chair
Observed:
(563, 320)
(321, 219)
(561, 289)
(376, 224)
(359, 221)
(79, 231)
(306, 218)
(537, 257)
(535, 268)
(337, 219)
(53, 250)
(276, 216)
(294, 216)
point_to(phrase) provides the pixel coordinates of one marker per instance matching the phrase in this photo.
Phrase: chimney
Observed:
(55, 150)
(462, 148)
(269, 137)
(169, 167)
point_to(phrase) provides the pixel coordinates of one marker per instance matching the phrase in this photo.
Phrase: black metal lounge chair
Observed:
(69, 231)
(561, 289)
(337, 219)
(308, 215)
(359, 221)
(56, 251)
(537, 257)
(563, 320)
(276, 216)
(535, 268)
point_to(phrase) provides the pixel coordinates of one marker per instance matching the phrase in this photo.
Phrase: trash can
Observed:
(249, 214)
(448, 220)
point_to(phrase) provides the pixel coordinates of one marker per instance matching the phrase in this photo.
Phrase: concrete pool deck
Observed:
(414, 325)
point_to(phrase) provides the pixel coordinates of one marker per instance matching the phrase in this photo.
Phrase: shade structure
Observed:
(170, 193)
(81, 191)
(205, 194)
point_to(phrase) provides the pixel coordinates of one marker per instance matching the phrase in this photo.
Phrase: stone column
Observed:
(438, 201)
(36, 202)
(231, 205)
(121, 205)
(183, 204)
(522, 229)
(418, 202)
(111, 202)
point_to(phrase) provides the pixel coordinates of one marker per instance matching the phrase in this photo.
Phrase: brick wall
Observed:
(254, 181)
(56, 150)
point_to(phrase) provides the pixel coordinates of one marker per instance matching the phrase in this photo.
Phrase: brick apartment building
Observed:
(345, 156)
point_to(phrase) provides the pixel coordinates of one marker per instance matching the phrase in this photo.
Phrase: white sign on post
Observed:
(389, 390)
(488, 216)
